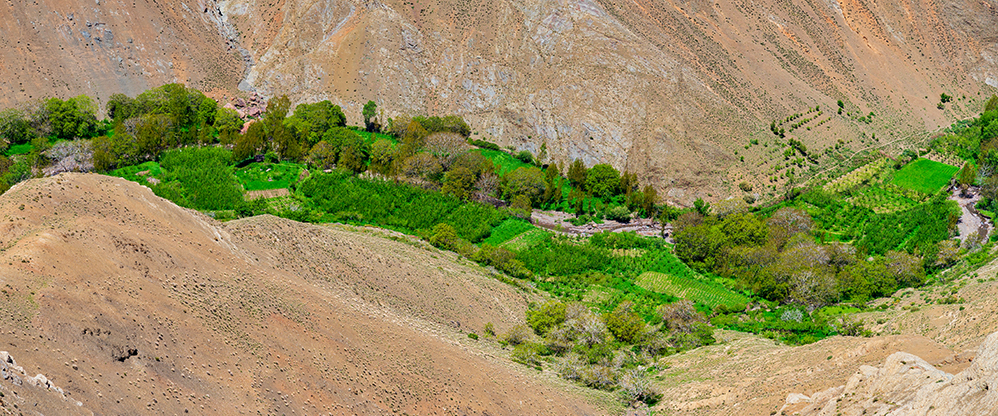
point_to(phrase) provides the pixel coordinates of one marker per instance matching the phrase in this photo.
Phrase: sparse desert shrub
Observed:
(528, 353)
(516, 335)
(636, 387)
(794, 315)
(599, 377)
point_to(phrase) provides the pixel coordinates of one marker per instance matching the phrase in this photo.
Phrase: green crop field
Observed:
(924, 175)
(18, 149)
(372, 137)
(707, 293)
(508, 230)
(264, 176)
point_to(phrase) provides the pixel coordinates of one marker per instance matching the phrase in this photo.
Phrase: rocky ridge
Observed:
(908, 385)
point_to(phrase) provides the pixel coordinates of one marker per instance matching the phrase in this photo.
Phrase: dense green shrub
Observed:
(546, 316)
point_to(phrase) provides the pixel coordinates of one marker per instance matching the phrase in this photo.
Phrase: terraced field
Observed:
(707, 293)
(857, 177)
(881, 201)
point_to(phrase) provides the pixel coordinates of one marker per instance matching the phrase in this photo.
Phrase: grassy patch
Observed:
(526, 240)
(371, 138)
(503, 160)
(150, 169)
(265, 176)
(698, 291)
(18, 149)
(508, 230)
(924, 175)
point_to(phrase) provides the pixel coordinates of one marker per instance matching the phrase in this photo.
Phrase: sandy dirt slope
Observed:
(131, 305)
(70, 47)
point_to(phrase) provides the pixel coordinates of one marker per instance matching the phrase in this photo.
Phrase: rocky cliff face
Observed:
(71, 47)
(667, 89)
(907, 385)
(670, 90)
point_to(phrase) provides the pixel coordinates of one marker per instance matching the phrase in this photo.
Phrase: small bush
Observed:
(549, 315)
(516, 335)
(526, 157)
(619, 213)
(636, 387)
(528, 353)
(624, 324)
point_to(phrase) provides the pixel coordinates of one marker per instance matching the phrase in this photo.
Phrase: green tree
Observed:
(229, 125)
(382, 155)
(73, 118)
(967, 175)
(602, 180)
(323, 155)
(577, 174)
(700, 245)
(254, 142)
(650, 201)
(521, 207)
(444, 236)
(120, 107)
(370, 112)
(460, 182)
(14, 127)
(311, 121)
(354, 157)
(526, 181)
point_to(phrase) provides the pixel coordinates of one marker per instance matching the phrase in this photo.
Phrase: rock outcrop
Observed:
(907, 385)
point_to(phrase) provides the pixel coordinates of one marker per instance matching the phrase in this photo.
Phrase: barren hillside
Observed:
(70, 47)
(128, 304)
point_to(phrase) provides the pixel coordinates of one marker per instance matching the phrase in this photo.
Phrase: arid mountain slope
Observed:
(132, 305)
(670, 90)
(666, 89)
(70, 47)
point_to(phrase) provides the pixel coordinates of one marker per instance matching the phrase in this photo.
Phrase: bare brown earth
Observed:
(132, 305)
